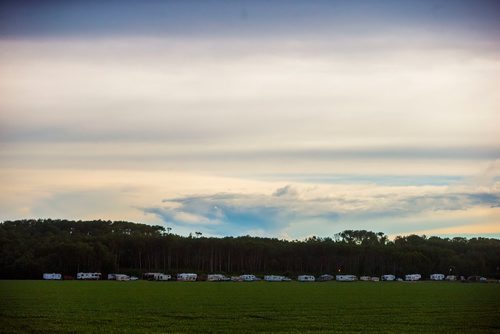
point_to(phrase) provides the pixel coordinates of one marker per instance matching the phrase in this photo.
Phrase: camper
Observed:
(325, 277)
(346, 278)
(88, 276)
(217, 278)
(365, 278)
(52, 276)
(388, 277)
(248, 278)
(437, 277)
(118, 277)
(306, 278)
(122, 277)
(156, 277)
(451, 278)
(275, 278)
(187, 277)
(374, 279)
(412, 277)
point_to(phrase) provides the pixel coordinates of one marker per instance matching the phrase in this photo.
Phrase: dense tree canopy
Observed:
(30, 247)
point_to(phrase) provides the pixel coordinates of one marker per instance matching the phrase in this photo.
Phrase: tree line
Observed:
(29, 248)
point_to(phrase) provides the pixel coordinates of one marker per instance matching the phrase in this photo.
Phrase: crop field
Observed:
(149, 307)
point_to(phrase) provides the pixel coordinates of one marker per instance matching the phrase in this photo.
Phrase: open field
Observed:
(141, 306)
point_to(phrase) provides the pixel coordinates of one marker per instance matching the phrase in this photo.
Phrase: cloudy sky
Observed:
(270, 118)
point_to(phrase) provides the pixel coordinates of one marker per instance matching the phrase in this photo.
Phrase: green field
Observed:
(141, 306)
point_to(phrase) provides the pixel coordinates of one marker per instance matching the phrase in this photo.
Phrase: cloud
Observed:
(291, 209)
(287, 190)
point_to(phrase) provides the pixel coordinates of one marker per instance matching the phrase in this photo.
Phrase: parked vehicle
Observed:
(187, 277)
(325, 277)
(88, 276)
(346, 278)
(388, 277)
(52, 276)
(413, 277)
(156, 277)
(306, 278)
(217, 278)
(248, 278)
(437, 277)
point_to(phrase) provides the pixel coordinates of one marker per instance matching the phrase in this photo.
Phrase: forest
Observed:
(29, 248)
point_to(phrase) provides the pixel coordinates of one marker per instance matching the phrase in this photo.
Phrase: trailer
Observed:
(437, 277)
(306, 278)
(248, 278)
(388, 277)
(365, 278)
(451, 278)
(325, 278)
(156, 277)
(187, 277)
(276, 278)
(88, 276)
(413, 277)
(375, 279)
(346, 278)
(217, 278)
(52, 276)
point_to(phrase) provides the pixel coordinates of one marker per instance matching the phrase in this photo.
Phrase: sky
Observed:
(282, 119)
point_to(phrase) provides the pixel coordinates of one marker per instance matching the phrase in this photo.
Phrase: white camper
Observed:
(365, 278)
(412, 277)
(52, 276)
(88, 276)
(451, 278)
(325, 277)
(388, 277)
(248, 278)
(122, 277)
(274, 278)
(306, 278)
(187, 277)
(437, 277)
(346, 278)
(375, 279)
(217, 278)
(156, 277)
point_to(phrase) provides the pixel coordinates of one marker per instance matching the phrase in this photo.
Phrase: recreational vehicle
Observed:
(217, 278)
(374, 279)
(412, 277)
(276, 278)
(156, 277)
(248, 278)
(306, 278)
(52, 276)
(88, 276)
(365, 278)
(187, 277)
(346, 278)
(451, 278)
(437, 277)
(325, 277)
(118, 277)
(388, 277)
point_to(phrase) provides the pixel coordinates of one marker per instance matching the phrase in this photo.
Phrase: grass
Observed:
(152, 307)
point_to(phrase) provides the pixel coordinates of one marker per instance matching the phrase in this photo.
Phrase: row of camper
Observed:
(190, 277)
(89, 276)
